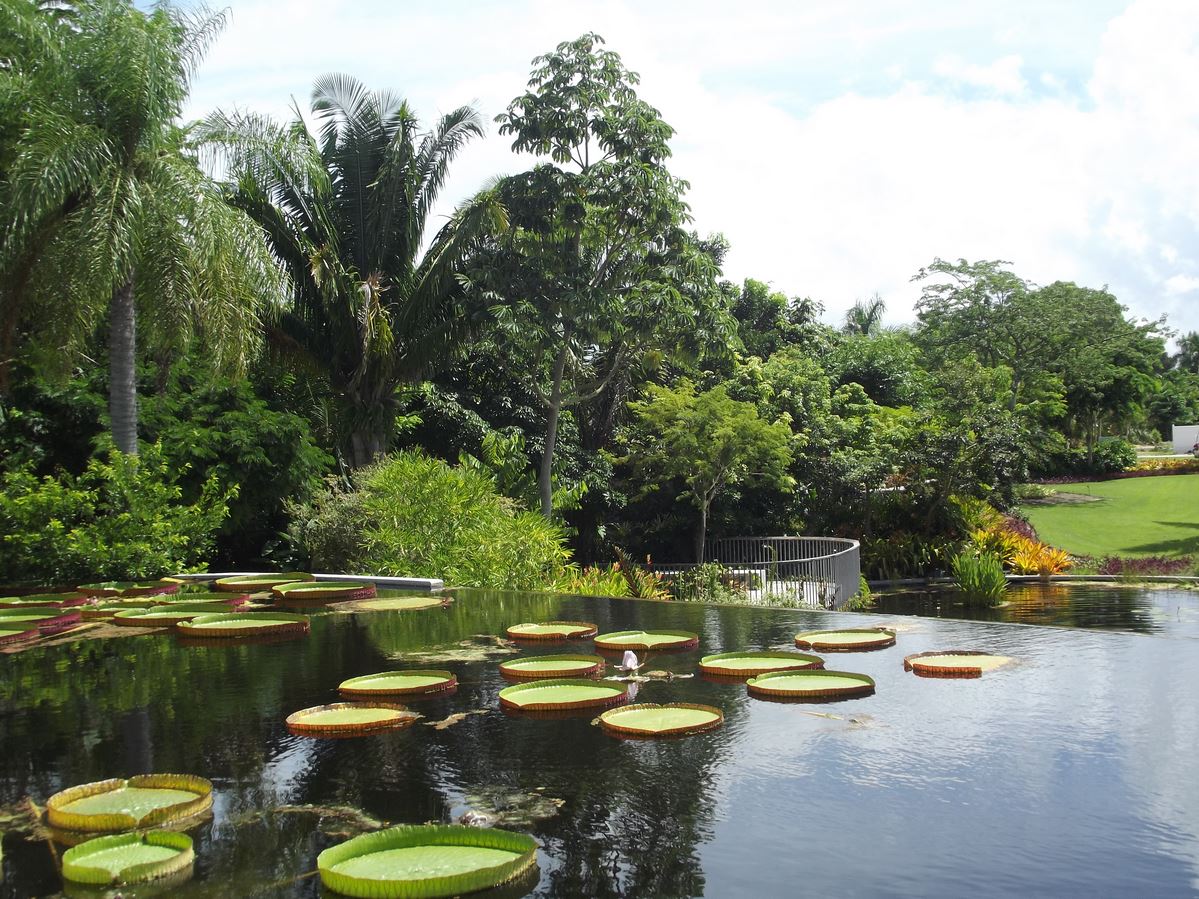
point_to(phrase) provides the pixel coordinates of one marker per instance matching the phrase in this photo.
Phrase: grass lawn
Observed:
(1135, 517)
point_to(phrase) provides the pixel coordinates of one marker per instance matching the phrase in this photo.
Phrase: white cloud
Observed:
(1180, 284)
(839, 147)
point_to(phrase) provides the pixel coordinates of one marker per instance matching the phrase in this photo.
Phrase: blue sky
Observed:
(839, 146)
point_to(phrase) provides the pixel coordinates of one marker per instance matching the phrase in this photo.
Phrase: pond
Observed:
(1072, 771)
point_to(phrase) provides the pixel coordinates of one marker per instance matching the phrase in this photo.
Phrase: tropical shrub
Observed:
(708, 582)
(902, 554)
(416, 516)
(123, 518)
(1039, 558)
(594, 580)
(1111, 456)
(980, 577)
(1145, 565)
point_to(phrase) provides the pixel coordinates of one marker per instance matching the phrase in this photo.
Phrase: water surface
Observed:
(1072, 772)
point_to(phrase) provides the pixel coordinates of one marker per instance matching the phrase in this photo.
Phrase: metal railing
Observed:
(815, 571)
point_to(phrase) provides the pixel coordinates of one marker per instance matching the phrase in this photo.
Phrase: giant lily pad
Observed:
(109, 609)
(810, 686)
(229, 600)
(618, 641)
(846, 640)
(45, 600)
(953, 663)
(254, 583)
(426, 861)
(751, 664)
(229, 625)
(553, 631)
(144, 801)
(128, 858)
(552, 666)
(323, 590)
(562, 694)
(646, 719)
(413, 682)
(344, 719)
(395, 604)
(47, 619)
(167, 615)
(128, 588)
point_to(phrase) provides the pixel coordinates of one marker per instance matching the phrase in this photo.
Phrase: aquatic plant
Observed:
(562, 694)
(347, 719)
(128, 858)
(751, 664)
(552, 631)
(810, 685)
(980, 577)
(649, 720)
(144, 801)
(618, 641)
(411, 682)
(397, 863)
(231, 625)
(953, 663)
(846, 639)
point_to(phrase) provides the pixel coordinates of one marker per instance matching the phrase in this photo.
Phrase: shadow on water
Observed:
(1079, 787)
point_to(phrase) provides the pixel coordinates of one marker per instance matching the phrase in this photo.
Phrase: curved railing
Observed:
(817, 571)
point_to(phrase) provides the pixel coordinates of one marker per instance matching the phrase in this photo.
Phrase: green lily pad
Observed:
(552, 630)
(144, 801)
(650, 720)
(165, 616)
(349, 718)
(811, 685)
(394, 604)
(243, 624)
(252, 583)
(412, 862)
(562, 694)
(846, 640)
(749, 664)
(645, 640)
(553, 666)
(954, 663)
(128, 858)
(413, 682)
(301, 590)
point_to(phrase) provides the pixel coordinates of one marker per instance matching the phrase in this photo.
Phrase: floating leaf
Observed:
(953, 663)
(411, 862)
(553, 631)
(553, 666)
(413, 682)
(395, 604)
(812, 685)
(323, 590)
(847, 640)
(647, 720)
(751, 664)
(562, 694)
(618, 641)
(147, 800)
(252, 583)
(128, 858)
(350, 719)
(244, 624)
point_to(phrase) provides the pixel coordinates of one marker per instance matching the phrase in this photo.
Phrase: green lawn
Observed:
(1137, 517)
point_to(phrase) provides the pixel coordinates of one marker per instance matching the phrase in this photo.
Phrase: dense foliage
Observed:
(560, 364)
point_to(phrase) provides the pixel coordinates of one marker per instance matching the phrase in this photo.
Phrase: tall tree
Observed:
(865, 317)
(347, 210)
(105, 210)
(597, 274)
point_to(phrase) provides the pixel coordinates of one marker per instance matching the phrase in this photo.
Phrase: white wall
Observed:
(1185, 436)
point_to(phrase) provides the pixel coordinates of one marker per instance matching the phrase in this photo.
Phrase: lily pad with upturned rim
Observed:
(167, 615)
(851, 639)
(553, 631)
(810, 686)
(254, 583)
(229, 600)
(413, 682)
(565, 665)
(323, 590)
(563, 694)
(960, 663)
(394, 604)
(144, 801)
(752, 664)
(109, 609)
(128, 588)
(342, 719)
(426, 861)
(128, 858)
(47, 619)
(230, 625)
(649, 720)
(658, 640)
(45, 600)
(9, 635)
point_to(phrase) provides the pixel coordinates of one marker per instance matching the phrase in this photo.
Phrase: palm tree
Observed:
(865, 317)
(346, 211)
(105, 211)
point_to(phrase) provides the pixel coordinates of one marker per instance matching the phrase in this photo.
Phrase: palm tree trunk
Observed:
(545, 477)
(122, 369)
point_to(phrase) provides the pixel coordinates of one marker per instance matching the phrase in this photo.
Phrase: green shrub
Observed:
(1111, 456)
(708, 582)
(594, 580)
(980, 577)
(123, 518)
(415, 516)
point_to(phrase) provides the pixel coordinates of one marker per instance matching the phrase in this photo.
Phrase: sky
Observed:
(839, 146)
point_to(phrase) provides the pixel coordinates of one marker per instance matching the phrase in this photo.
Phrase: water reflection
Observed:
(1071, 771)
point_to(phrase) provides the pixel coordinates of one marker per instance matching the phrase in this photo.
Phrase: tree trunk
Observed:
(367, 444)
(701, 533)
(545, 476)
(122, 369)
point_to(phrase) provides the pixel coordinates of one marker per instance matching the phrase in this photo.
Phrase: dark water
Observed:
(1148, 609)
(1071, 773)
